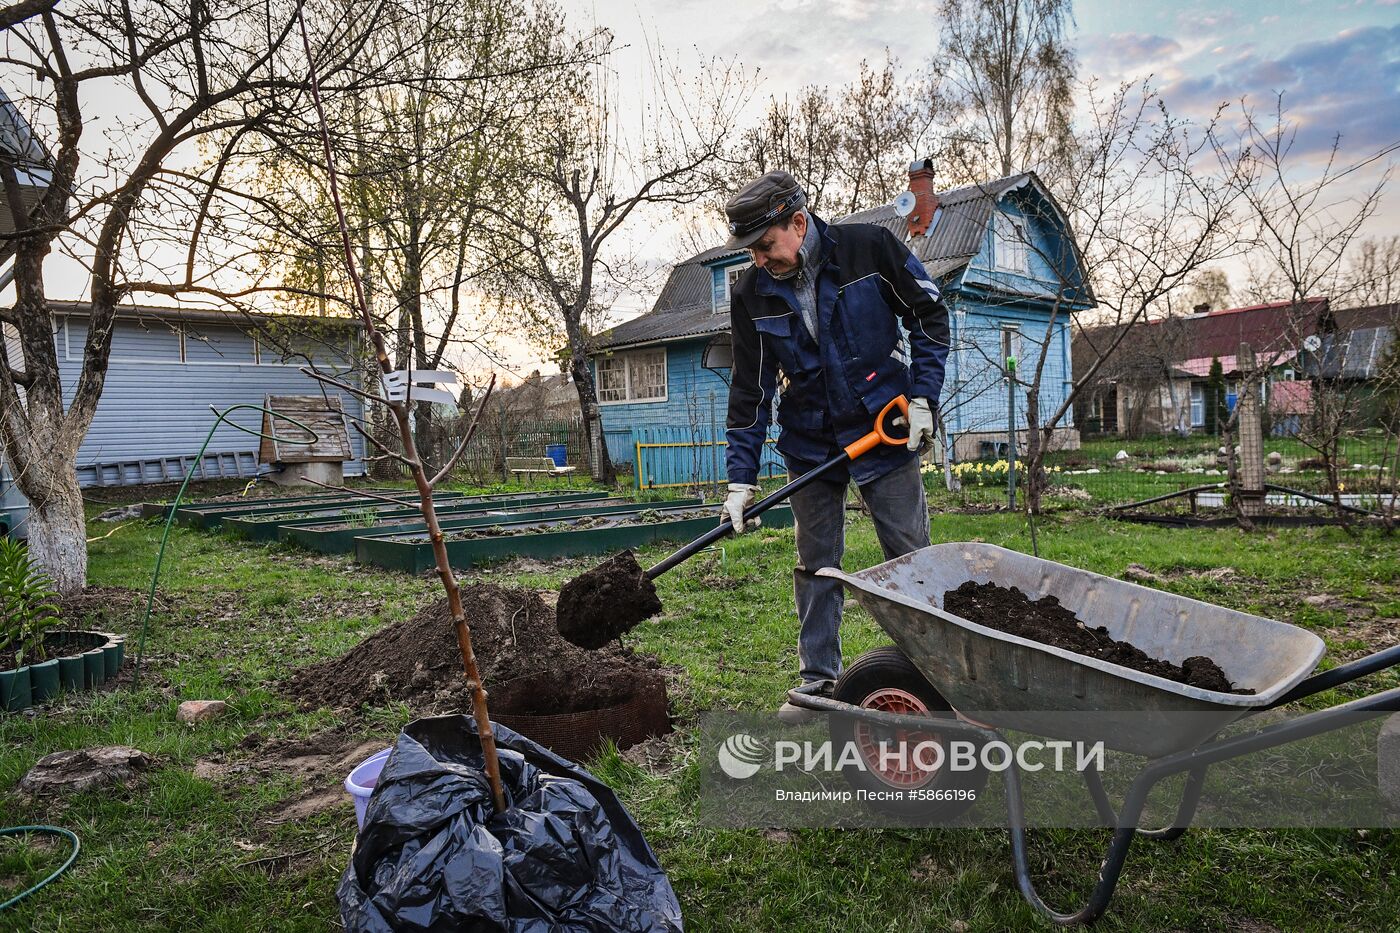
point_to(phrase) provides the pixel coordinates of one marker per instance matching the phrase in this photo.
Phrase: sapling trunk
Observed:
(400, 410)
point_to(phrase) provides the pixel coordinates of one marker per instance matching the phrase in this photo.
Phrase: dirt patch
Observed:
(601, 605)
(513, 635)
(1046, 621)
(320, 762)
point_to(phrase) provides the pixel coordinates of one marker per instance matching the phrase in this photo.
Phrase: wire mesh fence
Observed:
(1107, 471)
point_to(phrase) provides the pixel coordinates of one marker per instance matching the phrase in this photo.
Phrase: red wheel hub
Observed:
(903, 772)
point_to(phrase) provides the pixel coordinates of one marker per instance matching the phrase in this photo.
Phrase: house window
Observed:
(1010, 250)
(725, 287)
(1198, 405)
(639, 376)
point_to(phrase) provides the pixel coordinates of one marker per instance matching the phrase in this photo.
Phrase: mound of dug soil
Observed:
(514, 637)
(1046, 621)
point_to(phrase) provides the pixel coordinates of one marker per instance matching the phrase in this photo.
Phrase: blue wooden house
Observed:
(1005, 260)
(168, 365)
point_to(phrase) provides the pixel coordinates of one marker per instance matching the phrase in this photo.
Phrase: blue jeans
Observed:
(898, 508)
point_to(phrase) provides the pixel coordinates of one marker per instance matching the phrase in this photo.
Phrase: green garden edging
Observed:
(212, 516)
(267, 526)
(326, 540)
(417, 556)
(95, 658)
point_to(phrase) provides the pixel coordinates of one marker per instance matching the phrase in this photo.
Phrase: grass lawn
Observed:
(263, 852)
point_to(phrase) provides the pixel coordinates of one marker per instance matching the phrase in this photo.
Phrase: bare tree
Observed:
(426, 148)
(1372, 275)
(1209, 288)
(1301, 231)
(197, 73)
(589, 177)
(849, 147)
(1009, 68)
(1151, 203)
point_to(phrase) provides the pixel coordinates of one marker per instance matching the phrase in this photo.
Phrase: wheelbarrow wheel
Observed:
(901, 777)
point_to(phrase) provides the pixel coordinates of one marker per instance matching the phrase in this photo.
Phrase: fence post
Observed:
(1251, 435)
(1011, 432)
(501, 436)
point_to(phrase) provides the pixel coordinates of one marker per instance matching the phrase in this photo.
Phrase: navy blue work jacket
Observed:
(832, 387)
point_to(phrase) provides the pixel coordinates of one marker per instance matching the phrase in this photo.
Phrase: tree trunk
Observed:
(593, 435)
(57, 525)
(1035, 452)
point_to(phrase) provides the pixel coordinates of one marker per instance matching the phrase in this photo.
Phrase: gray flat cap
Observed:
(759, 205)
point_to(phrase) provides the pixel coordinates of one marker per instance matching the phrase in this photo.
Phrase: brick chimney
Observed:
(925, 199)
(1202, 308)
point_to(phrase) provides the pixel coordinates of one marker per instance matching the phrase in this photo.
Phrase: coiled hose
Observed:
(53, 876)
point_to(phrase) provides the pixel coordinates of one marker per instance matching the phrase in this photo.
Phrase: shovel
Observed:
(600, 605)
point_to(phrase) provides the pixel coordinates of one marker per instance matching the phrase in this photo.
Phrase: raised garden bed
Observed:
(77, 661)
(339, 537)
(213, 517)
(545, 540)
(267, 527)
(210, 517)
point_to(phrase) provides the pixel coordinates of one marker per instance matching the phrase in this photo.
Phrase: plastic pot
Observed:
(360, 783)
(43, 680)
(14, 689)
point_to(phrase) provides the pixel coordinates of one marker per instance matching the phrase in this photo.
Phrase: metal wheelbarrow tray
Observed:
(1017, 683)
(1008, 682)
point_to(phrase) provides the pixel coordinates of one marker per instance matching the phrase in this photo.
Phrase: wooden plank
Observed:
(321, 415)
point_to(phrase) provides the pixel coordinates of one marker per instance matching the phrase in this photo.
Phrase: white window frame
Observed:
(731, 273)
(1010, 247)
(1198, 404)
(630, 361)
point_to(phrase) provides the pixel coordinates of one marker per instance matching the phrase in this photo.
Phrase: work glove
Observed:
(741, 496)
(921, 424)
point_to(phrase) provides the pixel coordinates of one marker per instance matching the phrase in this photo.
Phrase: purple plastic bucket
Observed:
(360, 783)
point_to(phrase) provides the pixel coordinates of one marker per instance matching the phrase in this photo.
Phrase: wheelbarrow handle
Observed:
(880, 435)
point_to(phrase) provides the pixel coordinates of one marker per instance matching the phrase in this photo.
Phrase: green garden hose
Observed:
(53, 876)
(219, 417)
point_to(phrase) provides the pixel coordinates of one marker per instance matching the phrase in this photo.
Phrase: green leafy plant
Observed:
(28, 603)
(361, 518)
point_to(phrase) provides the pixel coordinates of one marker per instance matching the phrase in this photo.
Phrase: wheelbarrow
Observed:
(942, 664)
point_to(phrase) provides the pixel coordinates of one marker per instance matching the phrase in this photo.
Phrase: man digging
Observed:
(815, 320)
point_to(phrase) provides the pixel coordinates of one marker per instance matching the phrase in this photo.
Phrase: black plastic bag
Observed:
(434, 855)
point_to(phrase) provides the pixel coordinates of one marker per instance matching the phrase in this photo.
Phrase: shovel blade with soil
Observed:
(606, 602)
(616, 596)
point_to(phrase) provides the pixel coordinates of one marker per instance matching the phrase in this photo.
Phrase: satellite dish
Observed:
(904, 204)
(1312, 343)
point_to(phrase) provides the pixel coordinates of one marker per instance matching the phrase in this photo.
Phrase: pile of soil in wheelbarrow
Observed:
(513, 635)
(1046, 621)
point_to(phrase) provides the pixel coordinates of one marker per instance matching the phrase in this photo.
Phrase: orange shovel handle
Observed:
(880, 436)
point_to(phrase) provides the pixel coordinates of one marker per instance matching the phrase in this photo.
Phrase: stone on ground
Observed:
(193, 711)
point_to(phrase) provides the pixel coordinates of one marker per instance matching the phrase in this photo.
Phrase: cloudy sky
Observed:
(1336, 63)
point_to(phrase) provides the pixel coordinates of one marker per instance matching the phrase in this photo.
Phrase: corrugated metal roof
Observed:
(693, 321)
(1357, 354)
(963, 215)
(683, 309)
(205, 315)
